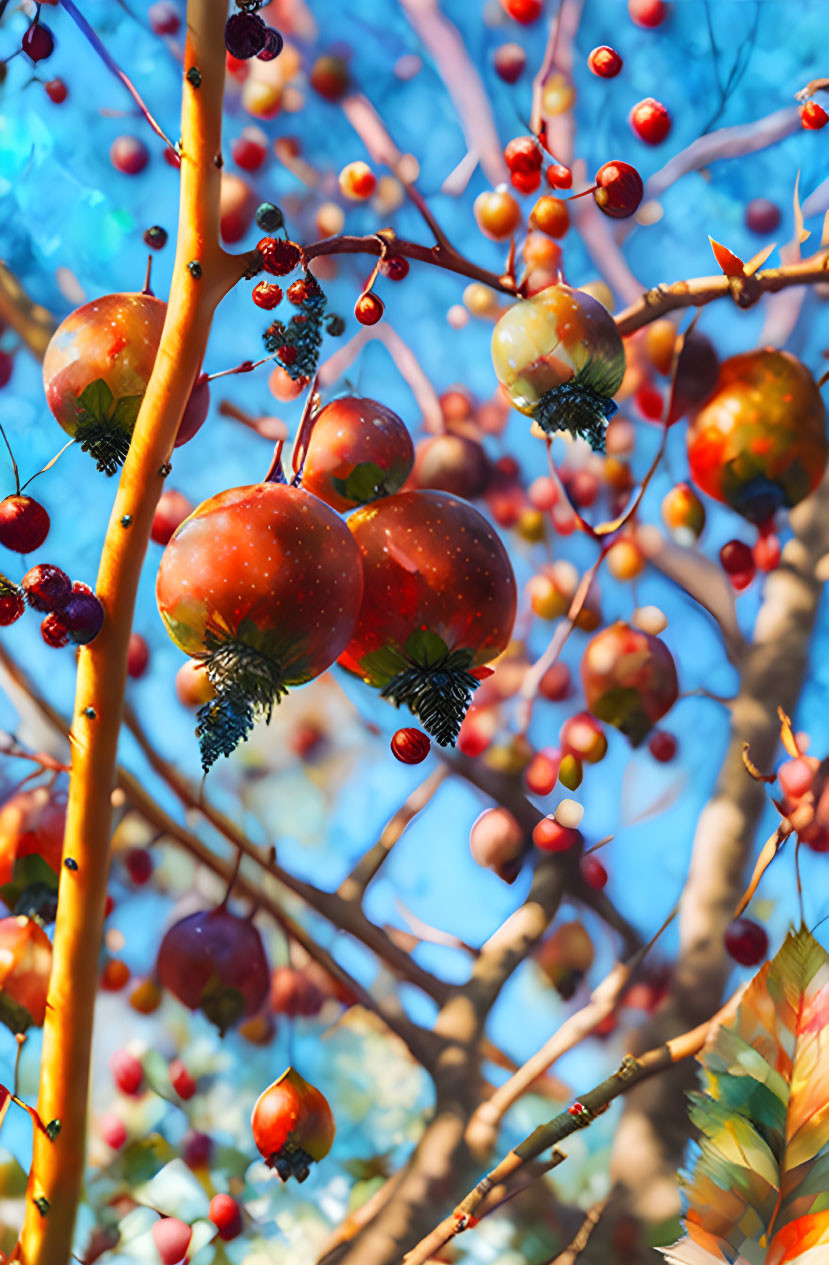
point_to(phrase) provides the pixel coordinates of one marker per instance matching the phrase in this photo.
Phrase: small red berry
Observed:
(129, 155)
(181, 1080)
(526, 182)
(278, 257)
(746, 942)
(550, 836)
(555, 684)
(559, 176)
(46, 587)
(139, 865)
(56, 91)
(766, 553)
(301, 291)
(226, 1216)
(196, 1149)
(593, 872)
(509, 61)
(38, 43)
(78, 586)
(523, 155)
(523, 11)
(127, 1071)
(24, 523)
(369, 309)
(648, 13)
(410, 746)
(267, 295)
(650, 403)
(762, 216)
(605, 62)
(288, 354)
(155, 237)
(650, 121)
(12, 607)
(112, 1130)
(813, 116)
(396, 267)
(738, 563)
(620, 189)
(164, 18)
(6, 366)
(54, 631)
(662, 746)
(250, 149)
(796, 777)
(172, 509)
(171, 157)
(138, 656)
(171, 1236)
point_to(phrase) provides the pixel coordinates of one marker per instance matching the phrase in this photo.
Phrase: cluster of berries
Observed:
(246, 35)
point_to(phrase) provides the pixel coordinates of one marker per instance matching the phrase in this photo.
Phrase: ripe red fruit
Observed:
(12, 606)
(32, 823)
(605, 62)
(329, 77)
(250, 149)
(410, 746)
(56, 91)
(583, 737)
(293, 993)
(813, 116)
(620, 189)
(523, 155)
(181, 1080)
(112, 1130)
(629, 679)
(451, 463)
(266, 295)
(541, 774)
(54, 631)
(127, 1072)
(766, 552)
(555, 684)
(292, 1125)
(662, 746)
(83, 616)
(369, 309)
(509, 61)
(593, 872)
(196, 1149)
(648, 13)
(497, 842)
(215, 961)
(559, 176)
(172, 509)
(439, 600)
(24, 523)
(129, 155)
(171, 1236)
(226, 1216)
(138, 656)
(746, 942)
(46, 587)
(395, 267)
(279, 257)
(359, 451)
(523, 11)
(650, 121)
(762, 216)
(795, 776)
(164, 18)
(550, 836)
(38, 43)
(139, 865)
(738, 563)
(526, 182)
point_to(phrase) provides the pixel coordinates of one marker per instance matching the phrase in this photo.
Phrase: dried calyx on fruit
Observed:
(560, 358)
(293, 1125)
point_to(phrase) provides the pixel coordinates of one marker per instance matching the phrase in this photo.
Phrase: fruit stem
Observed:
(58, 1166)
(14, 463)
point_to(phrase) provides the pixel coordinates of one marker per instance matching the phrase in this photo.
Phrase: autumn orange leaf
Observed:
(731, 264)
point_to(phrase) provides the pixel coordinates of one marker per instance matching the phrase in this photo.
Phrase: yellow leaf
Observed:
(758, 260)
(800, 232)
(787, 734)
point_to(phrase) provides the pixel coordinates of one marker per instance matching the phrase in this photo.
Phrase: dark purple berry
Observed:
(11, 607)
(24, 523)
(746, 942)
(46, 587)
(38, 43)
(245, 35)
(269, 218)
(83, 616)
(155, 237)
(54, 631)
(273, 45)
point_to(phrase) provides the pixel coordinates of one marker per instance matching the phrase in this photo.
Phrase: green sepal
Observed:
(367, 482)
(95, 402)
(222, 1006)
(16, 1017)
(104, 425)
(29, 871)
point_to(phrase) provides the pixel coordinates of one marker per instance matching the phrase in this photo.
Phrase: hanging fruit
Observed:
(560, 358)
(25, 966)
(96, 369)
(359, 450)
(293, 1125)
(214, 961)
(262, 584)
(31, 841)
(629, 679)
(759, 443)
(439, 601)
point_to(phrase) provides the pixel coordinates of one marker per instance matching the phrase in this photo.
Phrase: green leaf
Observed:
(125, 413)
(95, 401)
(379, 666)
(425, 647)
(143, 1158)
